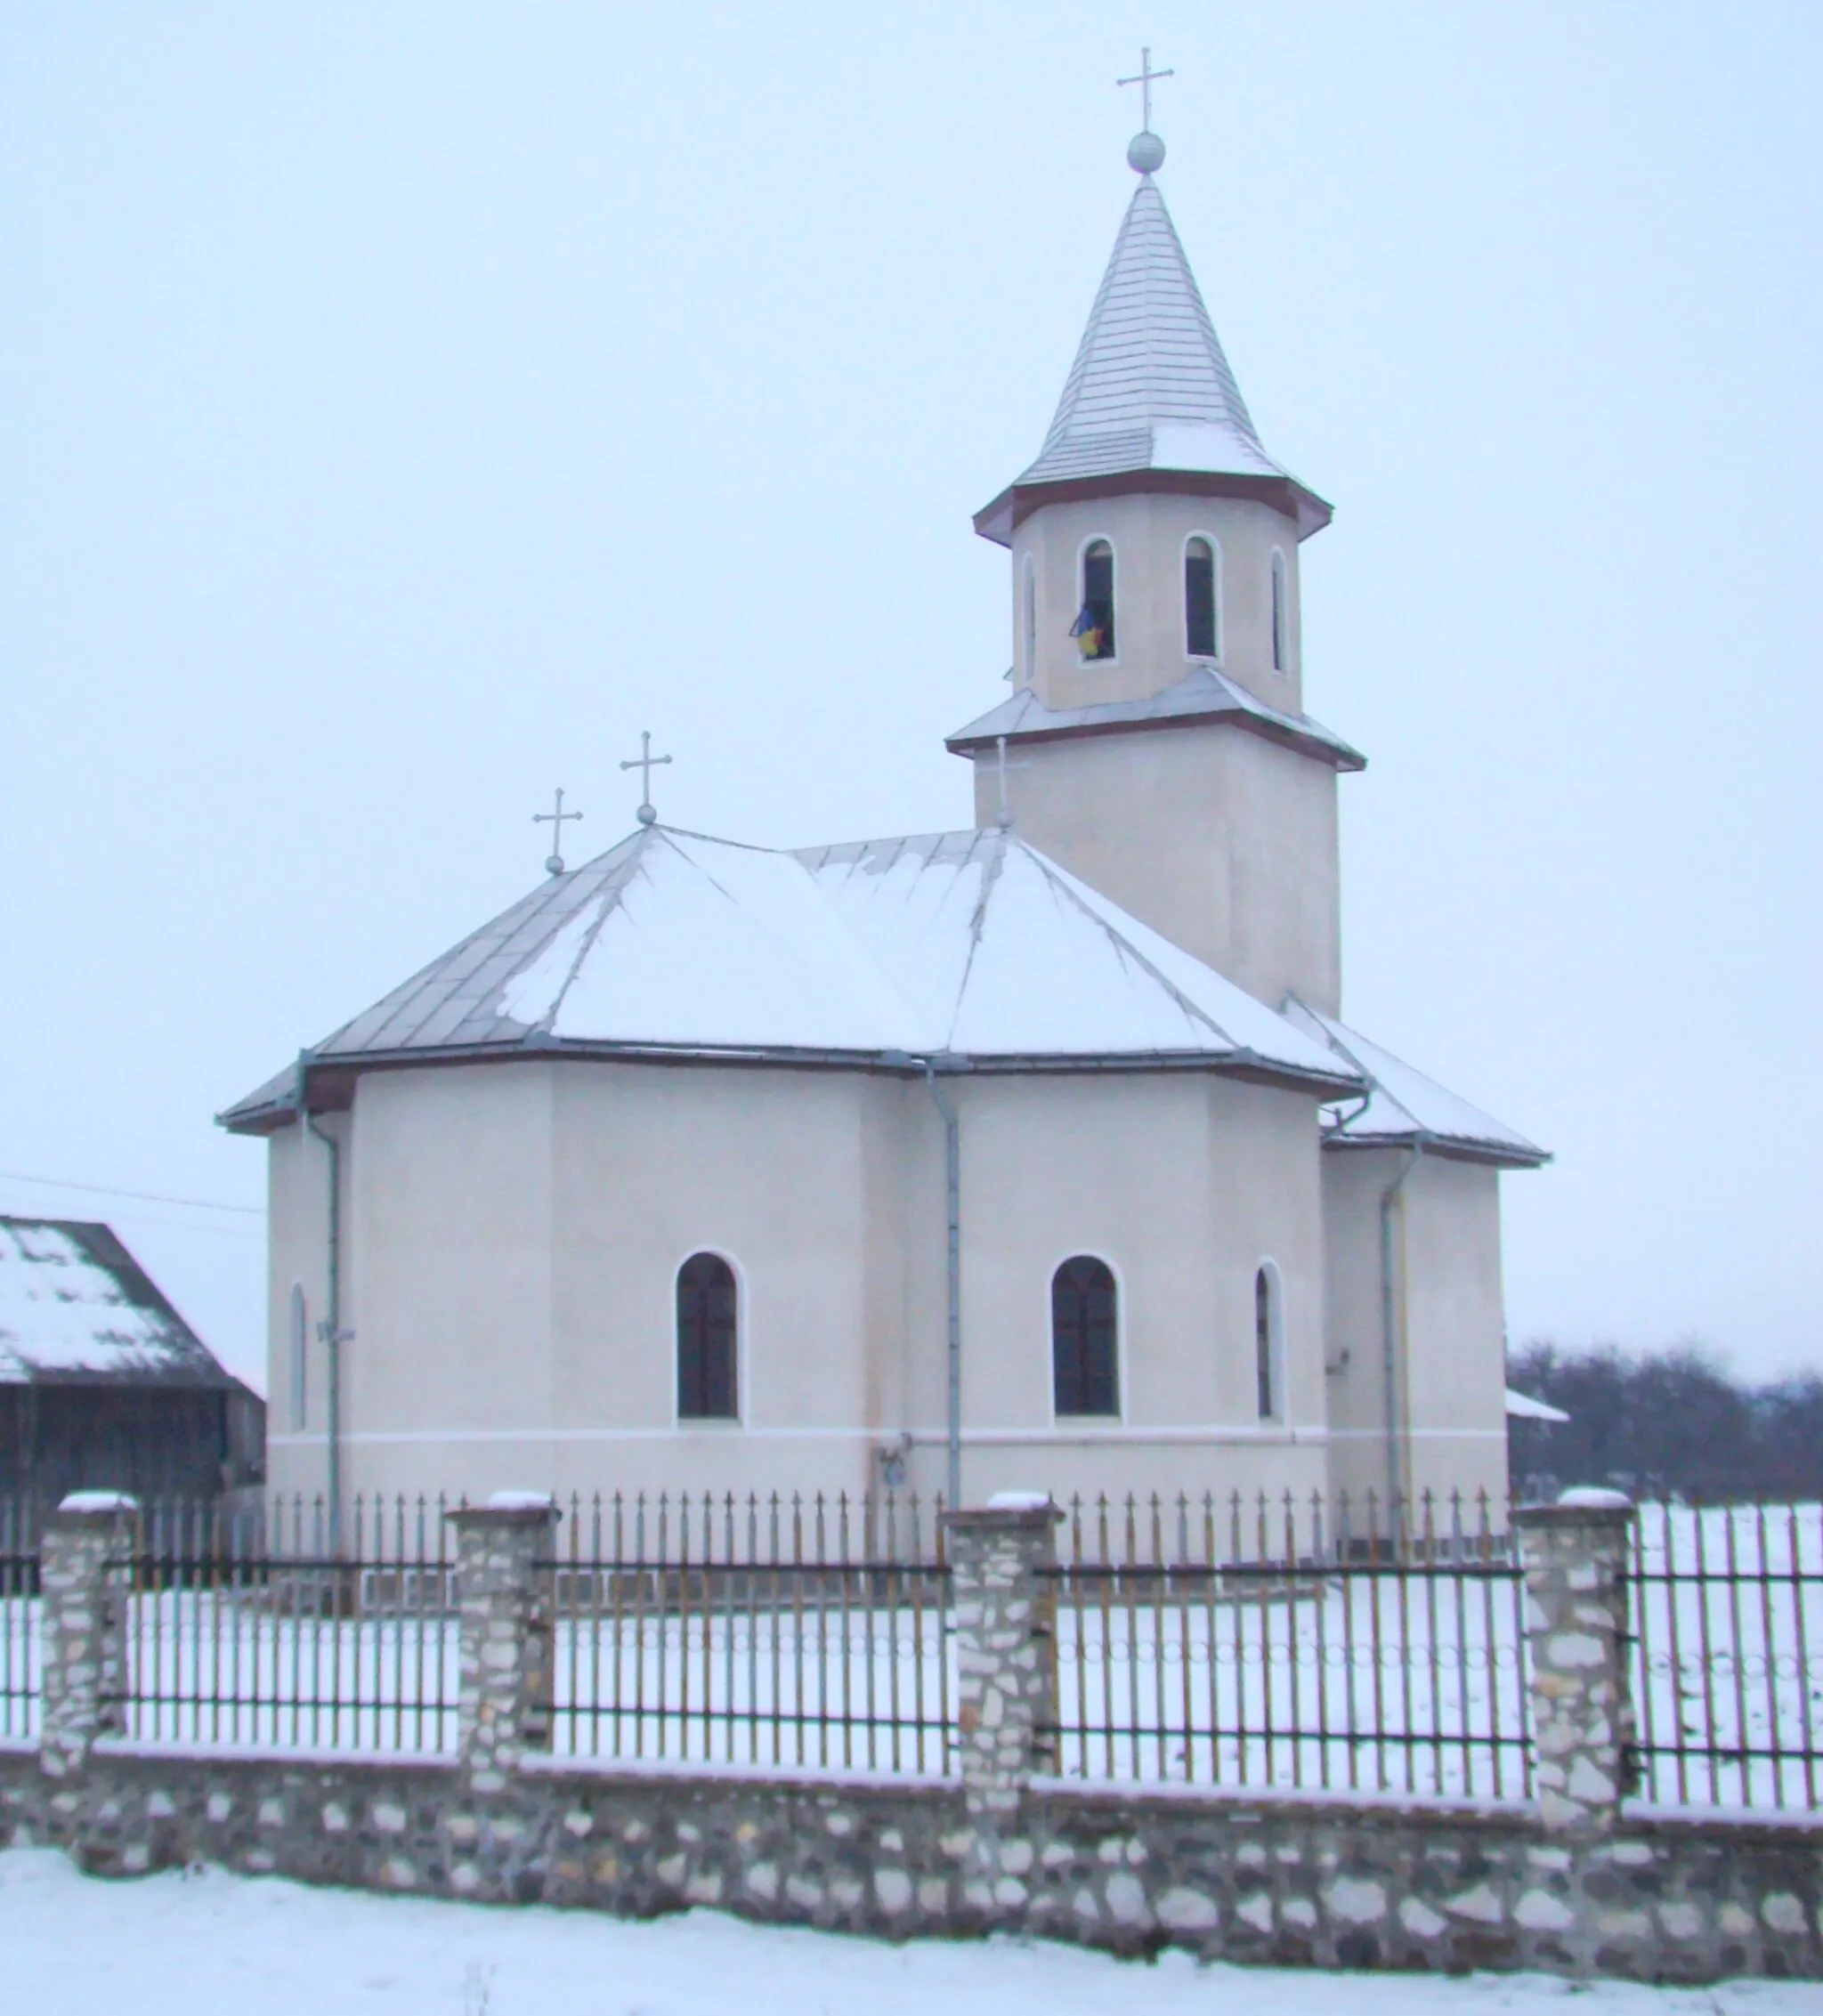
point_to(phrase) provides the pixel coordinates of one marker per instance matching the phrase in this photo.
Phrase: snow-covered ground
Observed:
(211, 1944)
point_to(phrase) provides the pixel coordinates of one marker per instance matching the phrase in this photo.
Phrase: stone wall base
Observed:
(1312, 1882)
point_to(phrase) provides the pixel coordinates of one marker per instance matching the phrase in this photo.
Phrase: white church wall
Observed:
(1181, 1183)
(1147, 534)
(297, 1210)
(1225, 843)
(449, 1279)
(1450, 1388)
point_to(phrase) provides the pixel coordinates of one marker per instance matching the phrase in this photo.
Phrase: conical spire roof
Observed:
(1151, 387)
(1149, 363)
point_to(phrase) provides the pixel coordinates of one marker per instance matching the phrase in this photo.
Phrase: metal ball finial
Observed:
(647, 814)
(1145, 153)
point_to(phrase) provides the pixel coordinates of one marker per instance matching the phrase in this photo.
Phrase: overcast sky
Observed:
(405, 405)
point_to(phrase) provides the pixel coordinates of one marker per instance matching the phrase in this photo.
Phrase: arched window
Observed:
(297, 1357)
(1094, 628)
(707, 1306)
(1201, 636)
(1028, 619)
(1268, 1342)
(1281, 615)
(1084, 1359)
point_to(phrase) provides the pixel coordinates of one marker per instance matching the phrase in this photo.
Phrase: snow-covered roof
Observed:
(1202, 695)
(972, 947)
(1151, 388)
(75, 1305)
(1522, 1407)
(1406, 1107)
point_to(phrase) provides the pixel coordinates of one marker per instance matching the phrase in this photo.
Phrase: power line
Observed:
(144, 1196)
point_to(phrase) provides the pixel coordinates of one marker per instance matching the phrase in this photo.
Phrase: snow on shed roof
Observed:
(1522, 1407)
(1151, 387)
(1407, 1106)
(968, 944)
(1202, 695)
(75, 1305)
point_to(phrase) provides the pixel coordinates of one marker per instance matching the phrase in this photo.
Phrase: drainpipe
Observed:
(1388, 1324)
(953, 1184)
(330, 1328)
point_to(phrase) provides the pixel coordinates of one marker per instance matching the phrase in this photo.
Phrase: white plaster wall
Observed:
(1450, 1391)
(297, 1210)
(1225, 843)
(1182, 1183)
(1147, 534)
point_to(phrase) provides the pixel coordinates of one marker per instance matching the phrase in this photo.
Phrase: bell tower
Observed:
(1155, 743)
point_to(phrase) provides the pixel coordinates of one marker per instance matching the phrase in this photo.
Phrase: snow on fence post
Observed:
(84, 1575)
(505, 1600)
(1006, 1648)
(1575, 1562)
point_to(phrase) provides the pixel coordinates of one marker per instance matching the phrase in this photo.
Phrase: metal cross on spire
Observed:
(646, 763)
(554, 862)
(1146, 78)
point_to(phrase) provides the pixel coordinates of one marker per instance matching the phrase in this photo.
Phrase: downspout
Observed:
(330, 1328)
(1388, 1326)
(952, 1185)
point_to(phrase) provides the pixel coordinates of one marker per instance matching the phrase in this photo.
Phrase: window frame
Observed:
(297, 1357)
(1113, 594)
(1279, 613)
(715, 1424)
(1269, 1370)
(1028, 618)
(1215, 608)
(1118, 1415)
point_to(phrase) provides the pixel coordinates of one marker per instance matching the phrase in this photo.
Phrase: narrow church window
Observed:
(1094, 628)
(1281, 617)
(298, 1348)
(1199, 599)
(1028, 619)
(1082, 1331)
(706, 1339)
(1269, 1331)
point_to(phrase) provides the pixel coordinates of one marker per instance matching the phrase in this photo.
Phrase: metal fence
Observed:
(1727, 1654)
(1225, 1642)
(19, 1648)
(1370, 1646)
(809, 1632)
(242, 1628)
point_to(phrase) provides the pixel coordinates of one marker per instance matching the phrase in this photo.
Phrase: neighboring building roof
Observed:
(1405, 1108)
(76, 1307)
(971, 946)
(1204, 695)
(1151, 388)
(1522, 1407)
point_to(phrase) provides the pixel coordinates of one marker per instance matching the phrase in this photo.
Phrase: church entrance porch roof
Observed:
(972, 947)
(1405, 1108)
(1202, 696)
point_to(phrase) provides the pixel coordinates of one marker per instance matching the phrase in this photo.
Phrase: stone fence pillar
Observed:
(1006, 1648)
(506, 1603)
(1574, 1555)
(84, 1576)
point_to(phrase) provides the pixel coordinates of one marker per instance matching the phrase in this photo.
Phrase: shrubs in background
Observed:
(1664, 1423)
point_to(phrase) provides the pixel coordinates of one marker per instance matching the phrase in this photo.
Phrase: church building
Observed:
(1033, 1156)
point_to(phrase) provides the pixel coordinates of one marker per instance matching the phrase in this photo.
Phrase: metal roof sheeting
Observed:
(1406, 1107)
(1151, 387)
(968, 944)
(1204, 694)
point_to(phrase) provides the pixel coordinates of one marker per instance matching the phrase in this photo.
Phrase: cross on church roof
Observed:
(646, 763)
(554, 862)
(1146, 78)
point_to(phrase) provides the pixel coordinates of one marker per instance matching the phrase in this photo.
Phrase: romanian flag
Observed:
(1086, 633)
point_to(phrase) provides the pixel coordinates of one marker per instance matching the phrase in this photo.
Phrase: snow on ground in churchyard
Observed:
(211, 1944)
